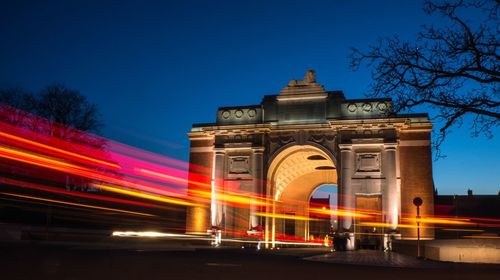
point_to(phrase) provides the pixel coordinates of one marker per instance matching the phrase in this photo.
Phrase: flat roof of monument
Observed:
(338, 93)
(369, 99)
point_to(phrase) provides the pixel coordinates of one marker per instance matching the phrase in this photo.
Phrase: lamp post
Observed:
(417, 201)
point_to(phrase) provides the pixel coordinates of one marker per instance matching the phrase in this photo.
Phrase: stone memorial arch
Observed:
(304, 137)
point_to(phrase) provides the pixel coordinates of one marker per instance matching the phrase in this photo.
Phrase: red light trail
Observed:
(146, 180)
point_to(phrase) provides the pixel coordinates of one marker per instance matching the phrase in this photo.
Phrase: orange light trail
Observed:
(78, 204)
(170, 178)
(378, 224)
(77, 194)
(148, 176)
(51, 148)
(144, 195)
(340, 213)
(34, 159)
(286, 216)
(439, 221)
(242, 199)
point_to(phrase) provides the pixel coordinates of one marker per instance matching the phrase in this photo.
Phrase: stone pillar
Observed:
(257, 187)
(273, 226)
(267, 228)
(347, 193)
(390, 196)
(217, 188)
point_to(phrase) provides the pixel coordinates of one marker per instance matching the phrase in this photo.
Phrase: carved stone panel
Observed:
(239, 165)
(367, 164)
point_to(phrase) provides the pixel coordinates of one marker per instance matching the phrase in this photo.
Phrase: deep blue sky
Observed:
(155, 68)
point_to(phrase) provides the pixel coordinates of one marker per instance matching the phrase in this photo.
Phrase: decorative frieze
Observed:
(367, 107)
(239, 115)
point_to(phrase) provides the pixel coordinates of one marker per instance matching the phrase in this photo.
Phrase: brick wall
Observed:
(416, 180)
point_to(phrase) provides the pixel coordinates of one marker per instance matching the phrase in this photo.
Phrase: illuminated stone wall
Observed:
(200, 171)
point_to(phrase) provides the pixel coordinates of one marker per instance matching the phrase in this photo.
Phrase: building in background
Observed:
(484, 209)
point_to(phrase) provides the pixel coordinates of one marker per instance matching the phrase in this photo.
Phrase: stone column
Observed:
(256, 188)
(347, 200)
(217, 188)
(273, 226)
(348, 195)
(390, 198)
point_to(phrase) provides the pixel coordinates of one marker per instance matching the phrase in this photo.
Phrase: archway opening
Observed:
(293, 175)
(322, 212)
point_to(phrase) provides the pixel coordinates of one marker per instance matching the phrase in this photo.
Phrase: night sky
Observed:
(156, 68)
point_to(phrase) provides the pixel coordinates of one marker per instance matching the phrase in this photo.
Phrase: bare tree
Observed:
(454, 69)
(60, 105)
(65, 112)
(21, 103)
(56, 111)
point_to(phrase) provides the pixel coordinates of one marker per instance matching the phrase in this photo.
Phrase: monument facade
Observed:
(286, 147)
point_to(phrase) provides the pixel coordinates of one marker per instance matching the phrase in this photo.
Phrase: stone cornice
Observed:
(381, 123)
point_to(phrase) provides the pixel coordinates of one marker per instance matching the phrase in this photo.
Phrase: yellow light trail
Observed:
(42, 161)
(286, 216)
(377, 224)
(173, 178)
(23, 140)
(35, 159)
(225, 196)
(78, 204)
(242, 198)
(338, 212)
(439, 221)
(144, 195)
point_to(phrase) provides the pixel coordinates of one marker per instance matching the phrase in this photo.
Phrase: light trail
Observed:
(70, 193)
(170, 178)
(41, 161)
(149, 234)
(234, 199)
(28, 157)
(429, 220)
(51, 148)
(155, 234)
(144, 195)
(286, 216)
(78, 204)
(388, 225)
(339, 213)
(148, 176)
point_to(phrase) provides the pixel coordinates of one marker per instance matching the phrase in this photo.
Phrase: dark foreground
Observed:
(36, 261)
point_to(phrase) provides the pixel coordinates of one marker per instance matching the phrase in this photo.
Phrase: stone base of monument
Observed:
(480, 250)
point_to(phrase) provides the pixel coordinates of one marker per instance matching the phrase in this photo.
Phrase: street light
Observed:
(417, 201)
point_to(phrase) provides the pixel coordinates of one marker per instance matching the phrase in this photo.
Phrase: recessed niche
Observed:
(316, 157)
(325, 168)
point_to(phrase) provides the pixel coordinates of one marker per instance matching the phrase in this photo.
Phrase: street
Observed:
(36, 261)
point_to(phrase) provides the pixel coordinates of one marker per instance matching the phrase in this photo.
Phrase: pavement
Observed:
(143, 260)
(375, 258)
